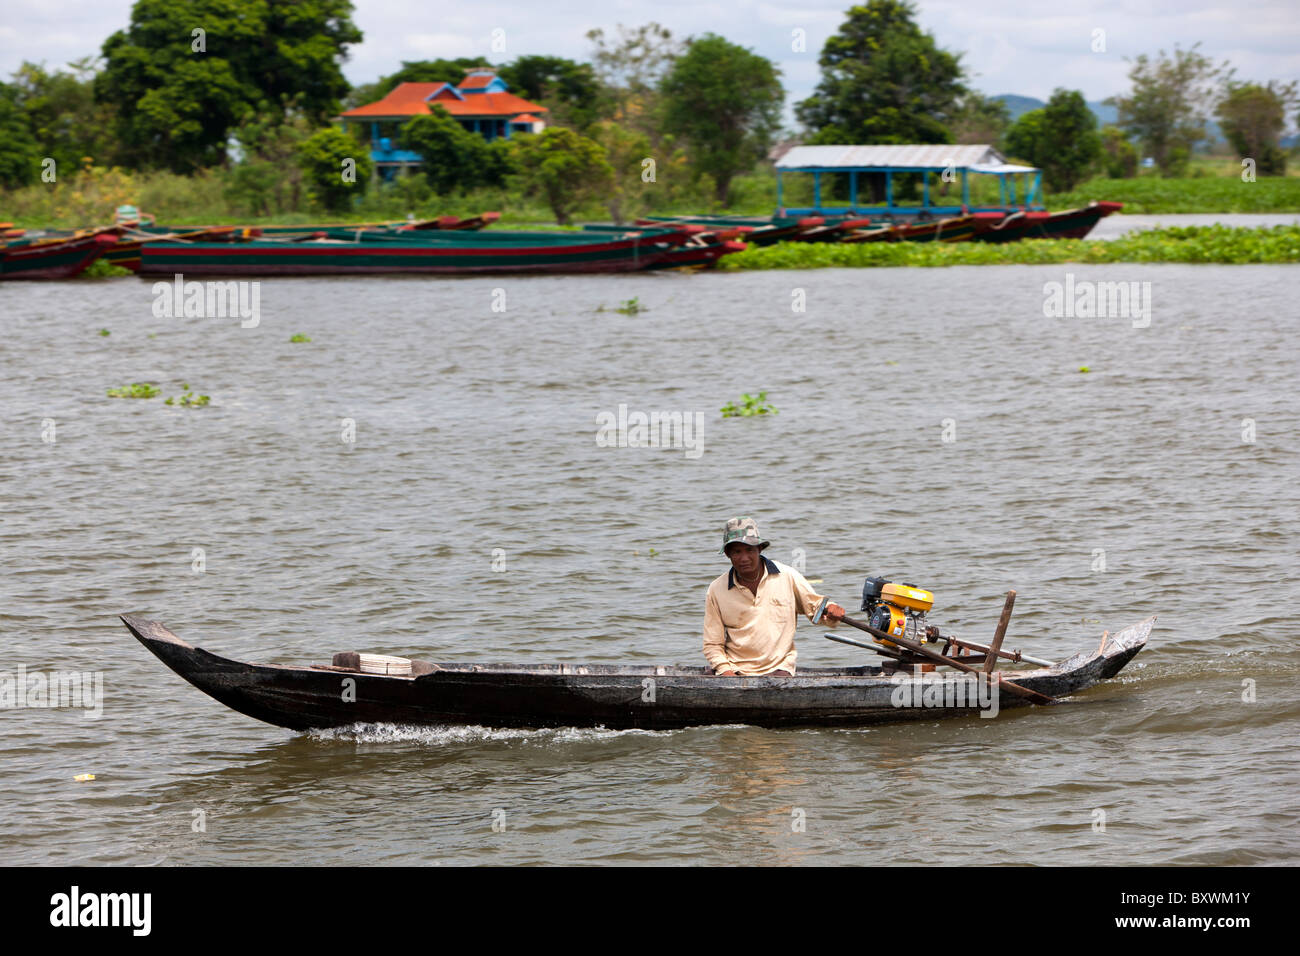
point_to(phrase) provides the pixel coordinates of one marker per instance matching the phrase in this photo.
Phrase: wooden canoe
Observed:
(762, 232)
(955, 229)
(656, 697)
(1038, 224)
(435, 252)
(53, 258)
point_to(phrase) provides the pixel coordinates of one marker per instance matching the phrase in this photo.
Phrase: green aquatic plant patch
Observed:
(103, 269)
(1216, 244)
(749, 405)
(135, 390)
(1149, 195)
(188, 399)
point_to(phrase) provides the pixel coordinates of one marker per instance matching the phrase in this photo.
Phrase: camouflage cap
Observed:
(745, 530)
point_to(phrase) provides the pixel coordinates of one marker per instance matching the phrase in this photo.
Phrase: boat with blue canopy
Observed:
(874, 171)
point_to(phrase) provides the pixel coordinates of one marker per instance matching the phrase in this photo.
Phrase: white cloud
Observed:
(1014, 46)
(434, 45)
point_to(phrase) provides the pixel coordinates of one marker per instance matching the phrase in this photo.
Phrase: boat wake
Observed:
(458, 734)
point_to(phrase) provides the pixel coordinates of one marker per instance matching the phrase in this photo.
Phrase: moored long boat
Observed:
(53, 258)
(832, 230)
(440, 224)
(126, 251)
(699, 253)
(456, 253)
(1039, 224)
(761, 232)
(593, 695)
(953, 229)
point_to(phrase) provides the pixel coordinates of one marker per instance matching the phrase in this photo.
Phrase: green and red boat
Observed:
(53, 258)
(126, 251)
(354, 252)
(952, 229)
(762, 232)
(698, 253)
(1041, 224)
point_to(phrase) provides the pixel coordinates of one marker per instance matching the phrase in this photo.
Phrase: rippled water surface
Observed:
(476, 430)
(1120, 224)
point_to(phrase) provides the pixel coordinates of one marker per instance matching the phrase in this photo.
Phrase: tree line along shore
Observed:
(237, 120)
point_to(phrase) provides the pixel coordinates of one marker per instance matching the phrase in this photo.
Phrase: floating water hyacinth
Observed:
(1153, 195)
(188, 399)
(1215, 244)
(134, 390)
(103, 269)
(749, 405)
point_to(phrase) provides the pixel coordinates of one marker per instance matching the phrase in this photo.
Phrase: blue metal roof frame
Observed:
(890, 159)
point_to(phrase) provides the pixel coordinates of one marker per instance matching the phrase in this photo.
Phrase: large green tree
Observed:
(453, 157)
(979, 120)
(20, 156)
(337, 168)
(565, 168)
(626, 151)
(1252, 118)
(884, 80)
(569, 90)
(1061, 139)
(630, 70)
(724, 102)
(268, 176)
(185, 72)
(1168, 106)
(63, 115)
(637, 60)
(1120, 158)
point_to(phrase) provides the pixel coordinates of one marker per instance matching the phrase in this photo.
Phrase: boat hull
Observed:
(567, 695)
(957, 229)
(1067, 224)
(396, 256)
(703, 255)
(53, 259)
(761, 232)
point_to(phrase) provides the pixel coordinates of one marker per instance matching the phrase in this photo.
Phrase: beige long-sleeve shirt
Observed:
(751, 633)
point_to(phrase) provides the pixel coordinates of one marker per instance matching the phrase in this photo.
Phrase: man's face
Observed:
(744, 558)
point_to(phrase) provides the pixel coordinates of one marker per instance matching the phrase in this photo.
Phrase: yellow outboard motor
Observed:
(891, 607)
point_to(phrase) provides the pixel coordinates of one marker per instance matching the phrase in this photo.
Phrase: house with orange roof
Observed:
(481, 103)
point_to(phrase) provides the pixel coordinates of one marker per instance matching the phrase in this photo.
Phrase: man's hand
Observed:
(834, 612)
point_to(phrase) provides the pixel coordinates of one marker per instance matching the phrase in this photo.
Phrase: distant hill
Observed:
(1018, 106)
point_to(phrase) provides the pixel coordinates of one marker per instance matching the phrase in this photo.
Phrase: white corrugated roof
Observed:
(1002, 168)
(866, 157)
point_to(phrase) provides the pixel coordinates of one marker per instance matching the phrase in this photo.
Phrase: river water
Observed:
(1119, 224)
(933, 424)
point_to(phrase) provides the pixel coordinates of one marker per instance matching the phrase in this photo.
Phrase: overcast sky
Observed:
(1016, 46)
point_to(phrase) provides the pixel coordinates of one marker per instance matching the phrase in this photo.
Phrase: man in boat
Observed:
(750, 612)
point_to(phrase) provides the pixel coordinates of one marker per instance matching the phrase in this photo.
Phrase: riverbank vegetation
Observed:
(193, 128)
(1151, 195)
(1204, 244)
